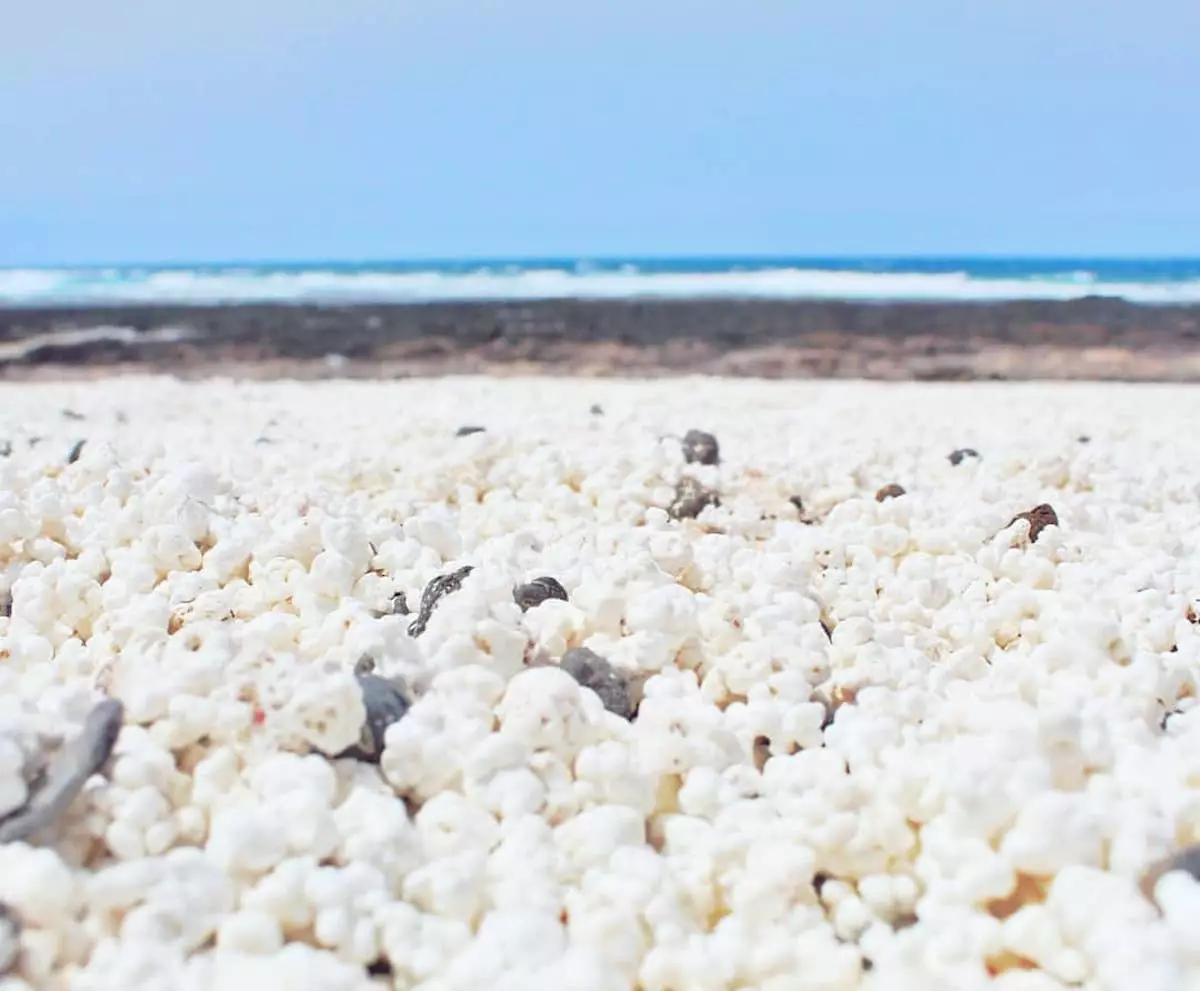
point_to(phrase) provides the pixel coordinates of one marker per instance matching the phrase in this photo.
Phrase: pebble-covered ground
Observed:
(305, 686)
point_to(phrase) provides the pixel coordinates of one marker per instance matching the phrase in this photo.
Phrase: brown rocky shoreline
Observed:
(1093, 339)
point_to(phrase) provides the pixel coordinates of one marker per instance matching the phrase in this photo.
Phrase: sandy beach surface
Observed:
(1089, 339)
(599, 684)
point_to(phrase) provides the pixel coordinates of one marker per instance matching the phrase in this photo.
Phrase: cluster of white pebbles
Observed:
(880, 744)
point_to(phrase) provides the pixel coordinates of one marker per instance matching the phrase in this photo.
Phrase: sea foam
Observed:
(412, 283)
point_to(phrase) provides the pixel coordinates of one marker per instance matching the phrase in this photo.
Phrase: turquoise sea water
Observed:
(933, 279)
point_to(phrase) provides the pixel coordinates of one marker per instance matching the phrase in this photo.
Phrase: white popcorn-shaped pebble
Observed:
(998, 765)
(596, 833)
(327, 713)
(296, 967)
(42, 892)
(544, 709)
(1052, 833)
(246, 839)
(419, 945)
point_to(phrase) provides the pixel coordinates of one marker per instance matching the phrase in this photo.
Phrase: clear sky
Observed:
(143, 130)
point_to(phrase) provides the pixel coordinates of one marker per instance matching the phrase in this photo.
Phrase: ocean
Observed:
(865, 279)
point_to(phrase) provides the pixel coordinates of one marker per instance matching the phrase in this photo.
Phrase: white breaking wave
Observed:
(62, 287)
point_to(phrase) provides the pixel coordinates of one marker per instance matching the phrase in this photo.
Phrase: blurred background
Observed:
(397, 154)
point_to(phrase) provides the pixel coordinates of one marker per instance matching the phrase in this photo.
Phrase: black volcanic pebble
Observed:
(385, 704)
(536, 592)
(691, 498)
(434, 592)
(597, 409)
(467, 431)
(594, 672)
(958, 457)
(380, 967)
(700, 448)
(76, 450)
(892, 491)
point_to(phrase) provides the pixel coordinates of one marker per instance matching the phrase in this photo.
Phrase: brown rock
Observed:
(1038, 518)
(762, 752)
(892, 491)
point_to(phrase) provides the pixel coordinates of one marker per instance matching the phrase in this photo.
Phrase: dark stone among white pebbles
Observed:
(691, 499)
(385, 702)
(536, 592)
(66, 773)
(434, 592)
(616, 690)
(1187, 860)
(10, 939)
(700, 448)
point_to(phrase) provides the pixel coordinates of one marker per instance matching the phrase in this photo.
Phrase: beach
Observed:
(600, 684)
(1081, 339)
(609, 497)
(655, 643)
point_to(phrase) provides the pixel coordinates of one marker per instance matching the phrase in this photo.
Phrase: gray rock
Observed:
(67, 772)
(385, 702)
(10, 939)
(616, 689)
(434, 592)
(700, 448)
(691, 499)
(536, 592)
(962, 454)
(1187, 859)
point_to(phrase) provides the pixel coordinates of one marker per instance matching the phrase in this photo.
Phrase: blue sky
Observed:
(367, 129)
